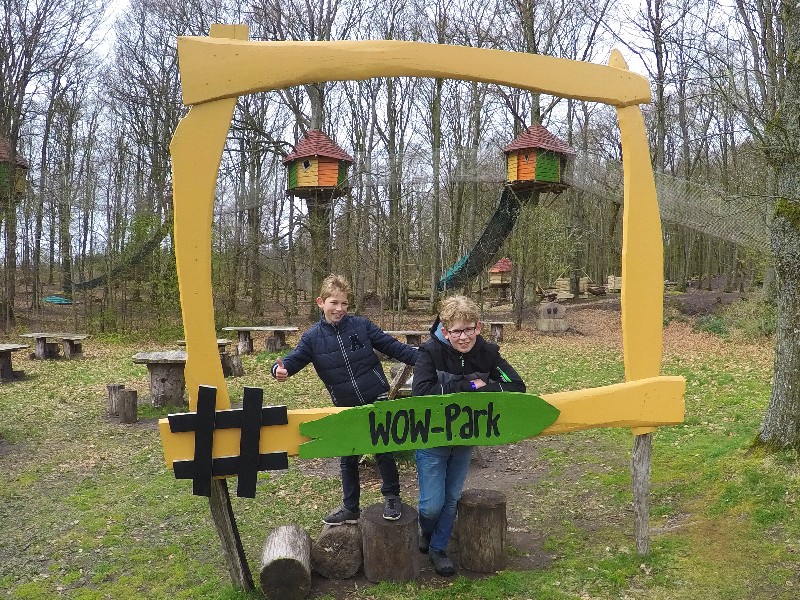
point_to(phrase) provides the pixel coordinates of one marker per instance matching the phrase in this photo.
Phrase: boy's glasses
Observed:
(467, 331)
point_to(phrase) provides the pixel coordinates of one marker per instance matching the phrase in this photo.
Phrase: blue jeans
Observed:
(351, 487)
(441, 473)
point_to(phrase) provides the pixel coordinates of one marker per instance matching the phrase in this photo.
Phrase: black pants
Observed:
(351, 489)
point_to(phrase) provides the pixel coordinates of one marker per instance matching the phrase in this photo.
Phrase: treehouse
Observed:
(18, 166)
(500, 273)
(500, 277)
(317, 168)
(536, 160)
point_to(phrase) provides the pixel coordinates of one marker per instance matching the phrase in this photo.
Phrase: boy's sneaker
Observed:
(424, 541)
(391, 509)
(342, 515)
(441, 563)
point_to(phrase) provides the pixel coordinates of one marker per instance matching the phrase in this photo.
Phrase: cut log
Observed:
(336, 553)
(286, 563)
(390, 547)
(113, 398)
(127, 406)
(227, 367)
(167, 384)
(237, 370)
(481, 529)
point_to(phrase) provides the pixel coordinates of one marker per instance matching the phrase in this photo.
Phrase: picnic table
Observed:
(413, 338)
(71, 343)
(167, 379)
(496, 329)
(7, 372)
(245, 337)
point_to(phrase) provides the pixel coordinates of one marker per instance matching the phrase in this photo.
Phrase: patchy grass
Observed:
(89, 510)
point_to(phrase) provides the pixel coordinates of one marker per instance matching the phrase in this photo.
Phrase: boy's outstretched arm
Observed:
(292, 362)
(390, 346)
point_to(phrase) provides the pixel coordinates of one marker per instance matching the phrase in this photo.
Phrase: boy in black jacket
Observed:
(340, 346)
(455, 359)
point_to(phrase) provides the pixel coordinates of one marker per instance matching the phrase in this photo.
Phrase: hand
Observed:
(479, 383)
(281, 374)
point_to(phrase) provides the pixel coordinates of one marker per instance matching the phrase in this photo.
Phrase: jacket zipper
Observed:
(347, 364)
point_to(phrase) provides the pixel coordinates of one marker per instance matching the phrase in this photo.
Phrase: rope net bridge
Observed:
(738, 219)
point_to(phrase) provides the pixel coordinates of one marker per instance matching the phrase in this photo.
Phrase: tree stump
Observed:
(390, 547)
(167, 384)
(227, 366)
(286, 563)
(336, 553)
(113, 398)
(237, 370)
(127, 406)
(482, 530)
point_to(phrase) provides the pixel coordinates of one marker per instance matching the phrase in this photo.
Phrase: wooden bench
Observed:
(7, 372)
(496, 330)
(245, 337)
(167, 380)
(71, 344)
(277, 341)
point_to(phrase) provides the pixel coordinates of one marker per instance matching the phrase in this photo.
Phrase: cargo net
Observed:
(738, 219)
(482, 254)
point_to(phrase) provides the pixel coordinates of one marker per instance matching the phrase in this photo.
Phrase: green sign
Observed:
(463, 419)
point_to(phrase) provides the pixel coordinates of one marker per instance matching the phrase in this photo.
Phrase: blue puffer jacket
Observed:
(344, 358)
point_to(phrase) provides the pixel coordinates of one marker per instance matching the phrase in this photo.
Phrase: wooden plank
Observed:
(650, 402)
(250, 67)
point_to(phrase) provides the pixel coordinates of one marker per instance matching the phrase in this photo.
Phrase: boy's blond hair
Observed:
(458, 308)
(332, 284)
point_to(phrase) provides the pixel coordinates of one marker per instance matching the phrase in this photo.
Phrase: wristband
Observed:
(472, 385)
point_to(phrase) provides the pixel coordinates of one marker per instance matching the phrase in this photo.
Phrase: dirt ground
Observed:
(513, 468)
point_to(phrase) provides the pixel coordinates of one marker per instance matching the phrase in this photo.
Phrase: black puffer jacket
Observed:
(441, 369)
(344, 359)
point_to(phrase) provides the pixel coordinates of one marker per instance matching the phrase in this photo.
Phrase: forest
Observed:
(91, 97)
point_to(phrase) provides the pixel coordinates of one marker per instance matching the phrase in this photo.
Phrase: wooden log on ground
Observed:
(228, 532)
(127, 405)
(286, 563)
(482, 530)
(390, 547)
(113, 398)
(640, 474)
(336, 553)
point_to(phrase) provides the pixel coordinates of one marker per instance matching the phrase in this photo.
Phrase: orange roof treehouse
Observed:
(536, 159)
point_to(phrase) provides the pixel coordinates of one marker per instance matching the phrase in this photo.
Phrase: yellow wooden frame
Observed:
(216, 70)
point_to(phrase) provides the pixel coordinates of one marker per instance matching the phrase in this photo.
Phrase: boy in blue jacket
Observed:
(340, 346)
